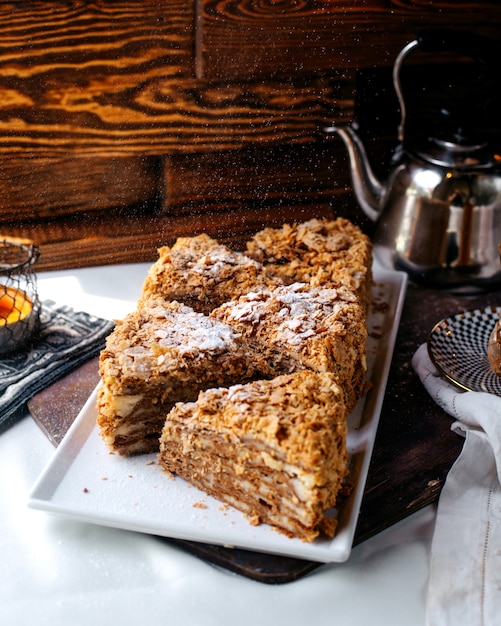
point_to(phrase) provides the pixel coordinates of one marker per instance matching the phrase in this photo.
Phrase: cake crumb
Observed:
(254, 520)
(199, 505)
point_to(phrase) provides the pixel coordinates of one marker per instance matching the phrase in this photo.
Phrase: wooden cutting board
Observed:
(413, 452)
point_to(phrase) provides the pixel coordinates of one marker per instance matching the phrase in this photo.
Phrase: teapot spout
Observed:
(368, 190)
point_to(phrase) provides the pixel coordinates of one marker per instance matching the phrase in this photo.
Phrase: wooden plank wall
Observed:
(125, 124)
(315, 36)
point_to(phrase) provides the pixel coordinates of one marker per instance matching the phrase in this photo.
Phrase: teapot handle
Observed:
(464, 43)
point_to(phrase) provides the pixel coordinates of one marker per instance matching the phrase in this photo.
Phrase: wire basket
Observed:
(19, 301)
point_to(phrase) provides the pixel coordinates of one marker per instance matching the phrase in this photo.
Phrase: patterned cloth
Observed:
(66, 339)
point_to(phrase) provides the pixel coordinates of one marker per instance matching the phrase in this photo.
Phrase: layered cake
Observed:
(242, 368)
(273, 449)
(202, 273)
(296, 327)
(161, 354)
(317, 252)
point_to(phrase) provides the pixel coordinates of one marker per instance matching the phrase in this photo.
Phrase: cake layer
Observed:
(203, 273)
(273, 449)
(168, 346)
(317, 252)
(158, 355)
(296, 327)
(131, 424)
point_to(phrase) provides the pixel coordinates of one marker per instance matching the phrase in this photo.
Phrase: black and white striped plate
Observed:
(457, 345)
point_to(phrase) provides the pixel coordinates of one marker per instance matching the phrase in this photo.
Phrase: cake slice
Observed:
(317, 252)
(161, 354)
(202, 273)
(295, 327)
(275, 450)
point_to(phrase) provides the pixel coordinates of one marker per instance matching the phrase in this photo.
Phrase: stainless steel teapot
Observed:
(439, 212)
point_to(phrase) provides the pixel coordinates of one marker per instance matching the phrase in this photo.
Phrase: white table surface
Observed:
(61, 572)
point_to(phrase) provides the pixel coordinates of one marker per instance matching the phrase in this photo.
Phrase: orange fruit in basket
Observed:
(14, 305)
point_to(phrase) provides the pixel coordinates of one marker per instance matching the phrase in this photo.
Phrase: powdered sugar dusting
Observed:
(298, 310)
(192, 331)
(218, 259)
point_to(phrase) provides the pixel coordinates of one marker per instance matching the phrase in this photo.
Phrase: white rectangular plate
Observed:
(83, 481)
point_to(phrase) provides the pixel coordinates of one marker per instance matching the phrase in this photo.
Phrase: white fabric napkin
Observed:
(465, 569)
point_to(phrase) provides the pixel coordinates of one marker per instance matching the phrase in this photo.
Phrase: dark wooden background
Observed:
(125, 124)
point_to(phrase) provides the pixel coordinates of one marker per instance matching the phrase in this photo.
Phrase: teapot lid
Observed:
(457, 154)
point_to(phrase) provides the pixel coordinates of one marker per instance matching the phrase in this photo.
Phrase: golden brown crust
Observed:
(168, 341)
(318, 252)
(273, 449)
(295, 327)
(203, 273)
